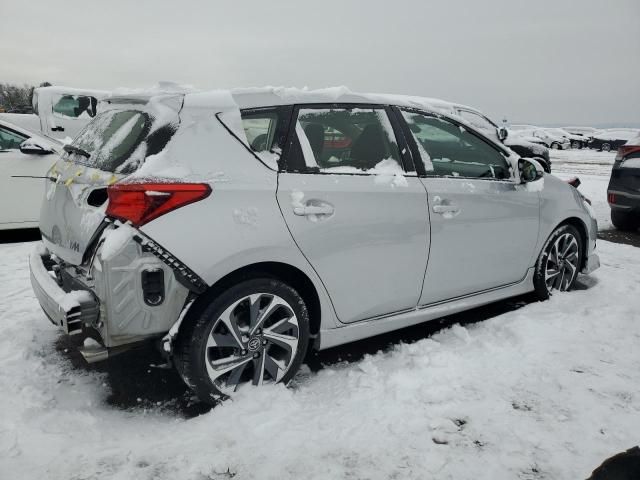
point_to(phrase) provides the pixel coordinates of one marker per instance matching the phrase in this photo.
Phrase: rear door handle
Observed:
(57, 129)
(445, 209)
(313, 210)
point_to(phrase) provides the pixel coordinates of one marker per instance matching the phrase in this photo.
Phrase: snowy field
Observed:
(547, 391)
(594, 169)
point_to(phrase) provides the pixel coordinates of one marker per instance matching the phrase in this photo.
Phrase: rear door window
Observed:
(344, 140)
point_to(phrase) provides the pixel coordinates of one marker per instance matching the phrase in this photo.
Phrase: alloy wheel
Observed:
(562, 263)
(254, 341)
(606, 147)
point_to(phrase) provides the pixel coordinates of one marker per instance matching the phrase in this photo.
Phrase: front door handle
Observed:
(57, 129)
(445, 209)
(313, 210)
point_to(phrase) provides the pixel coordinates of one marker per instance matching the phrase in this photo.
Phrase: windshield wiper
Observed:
(77, 150)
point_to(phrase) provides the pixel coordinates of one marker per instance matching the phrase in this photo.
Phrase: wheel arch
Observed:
(582, 229)
(292, 276)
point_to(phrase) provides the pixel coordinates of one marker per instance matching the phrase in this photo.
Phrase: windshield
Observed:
(114, 141)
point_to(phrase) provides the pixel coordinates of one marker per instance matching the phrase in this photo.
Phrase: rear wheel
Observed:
(555, 146)
(559, 262)
(605, 147)
(254, 333)
(576, 144)
(625, 221)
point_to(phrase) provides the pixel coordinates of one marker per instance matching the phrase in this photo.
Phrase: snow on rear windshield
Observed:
(114, 140)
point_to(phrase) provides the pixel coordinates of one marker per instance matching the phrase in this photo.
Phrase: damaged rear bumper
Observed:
(133, 293)
(67, 310)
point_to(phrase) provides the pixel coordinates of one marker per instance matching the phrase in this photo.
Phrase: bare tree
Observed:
(12, 96)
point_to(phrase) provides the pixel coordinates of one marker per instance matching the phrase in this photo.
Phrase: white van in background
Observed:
(64, 111)
(59, 112)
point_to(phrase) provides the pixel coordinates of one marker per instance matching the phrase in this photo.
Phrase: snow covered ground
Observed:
(547, 391)
(594, 169)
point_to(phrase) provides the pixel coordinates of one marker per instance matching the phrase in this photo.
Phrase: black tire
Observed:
(576, 144)
(625, 221)
(605, 147)
(191, 351)
(542, 290)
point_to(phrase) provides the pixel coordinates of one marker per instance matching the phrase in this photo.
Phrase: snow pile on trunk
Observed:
(546, 391)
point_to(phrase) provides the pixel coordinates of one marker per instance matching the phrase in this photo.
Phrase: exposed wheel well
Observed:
(292, 276)
(581, 227)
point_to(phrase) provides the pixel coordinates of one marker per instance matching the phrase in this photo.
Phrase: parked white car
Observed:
(25, 158)
(544, 137)
(238, 229)
(576, 141)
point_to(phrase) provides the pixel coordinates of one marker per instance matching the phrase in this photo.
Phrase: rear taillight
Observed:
(140, 203)
(611, 197)
(626, 150)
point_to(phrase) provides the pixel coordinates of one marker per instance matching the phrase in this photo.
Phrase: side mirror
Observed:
(530, 170)
(31, 147)
(503, 133)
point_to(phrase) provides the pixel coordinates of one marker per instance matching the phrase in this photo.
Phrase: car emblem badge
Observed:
(254, 344)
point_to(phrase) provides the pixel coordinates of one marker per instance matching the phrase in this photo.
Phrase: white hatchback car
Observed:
(25, 158)
(238, 229)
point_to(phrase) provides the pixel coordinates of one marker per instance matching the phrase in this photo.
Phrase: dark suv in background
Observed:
(623, 193)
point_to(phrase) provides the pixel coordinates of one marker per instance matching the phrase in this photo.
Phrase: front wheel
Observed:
(559, 262)
(254, 333)
(576, 144)
(605, 147)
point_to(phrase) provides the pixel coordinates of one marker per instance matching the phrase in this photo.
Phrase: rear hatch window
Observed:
(118, 141)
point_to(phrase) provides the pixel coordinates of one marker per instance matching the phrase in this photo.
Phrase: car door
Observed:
(484, 226)
(356, 208)
(20, 194)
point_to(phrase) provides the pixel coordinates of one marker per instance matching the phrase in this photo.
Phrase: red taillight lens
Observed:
(140, 203)
(625, 150)
(611, 197)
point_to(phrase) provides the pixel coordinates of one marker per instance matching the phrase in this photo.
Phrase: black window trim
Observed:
(406, 157)
(416, 153)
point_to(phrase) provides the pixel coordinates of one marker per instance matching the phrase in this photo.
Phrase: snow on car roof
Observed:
(274, 96)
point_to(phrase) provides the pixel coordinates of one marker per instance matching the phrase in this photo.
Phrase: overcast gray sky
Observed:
(538, 61)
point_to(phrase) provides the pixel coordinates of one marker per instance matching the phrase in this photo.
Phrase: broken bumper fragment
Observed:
(68, 310)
